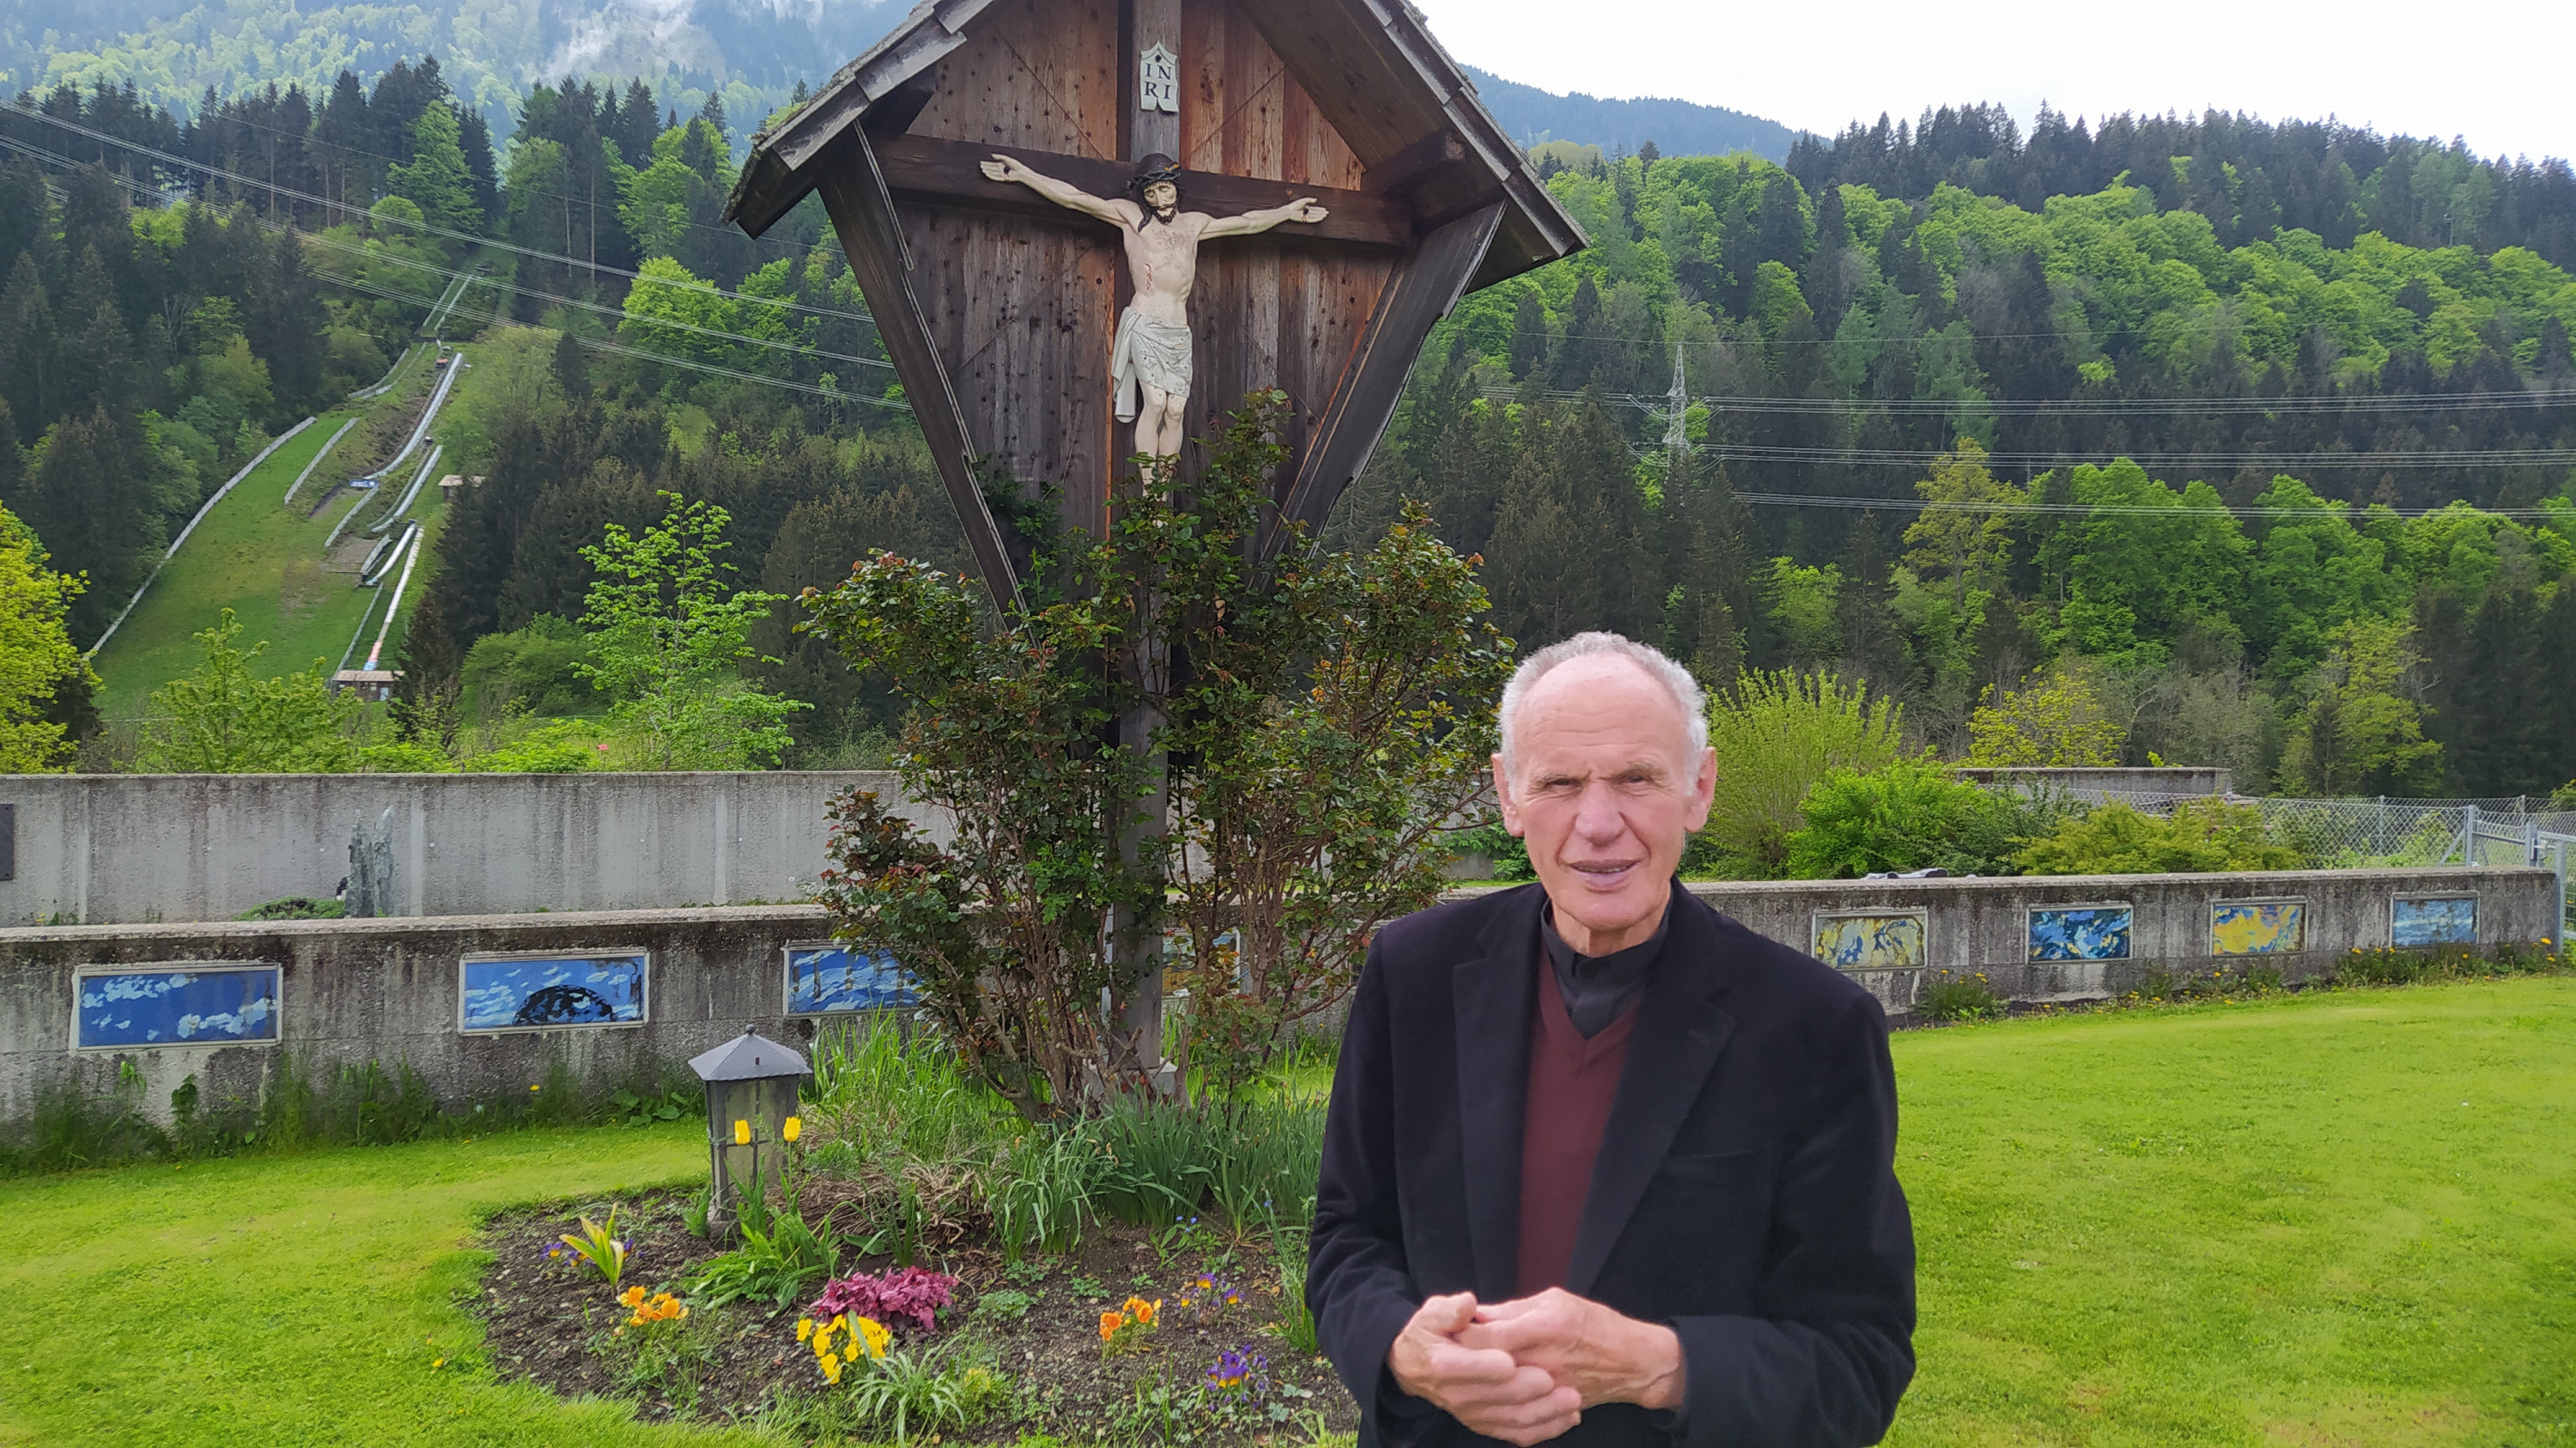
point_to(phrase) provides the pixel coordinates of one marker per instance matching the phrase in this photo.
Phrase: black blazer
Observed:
(1745, 1194)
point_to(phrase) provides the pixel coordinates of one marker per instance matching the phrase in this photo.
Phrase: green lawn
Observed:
(2337, 1219)
(264, 561)
(266, 1301)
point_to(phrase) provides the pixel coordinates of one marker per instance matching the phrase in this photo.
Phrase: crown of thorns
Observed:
(1169, 172)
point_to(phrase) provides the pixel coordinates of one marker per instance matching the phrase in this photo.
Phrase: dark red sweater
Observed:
(1572, 1083)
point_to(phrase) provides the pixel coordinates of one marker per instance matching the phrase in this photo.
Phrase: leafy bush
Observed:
(566, 746)
(776, 1262)
(1335, 715)
(1958, 998)
(1776, 734)
(294, 907)
(916, 1293)
(2198, 837)
(533, 669)
(1904, 816)
(1508, 851)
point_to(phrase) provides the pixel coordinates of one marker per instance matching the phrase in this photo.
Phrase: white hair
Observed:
(1659, 667)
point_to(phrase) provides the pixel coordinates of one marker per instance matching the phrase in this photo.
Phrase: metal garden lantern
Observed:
(751, 1118)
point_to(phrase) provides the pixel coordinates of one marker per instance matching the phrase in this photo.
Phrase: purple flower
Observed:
(1236, 1370)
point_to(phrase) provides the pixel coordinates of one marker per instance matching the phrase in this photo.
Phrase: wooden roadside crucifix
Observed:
(1149, 364)
(1394, 193)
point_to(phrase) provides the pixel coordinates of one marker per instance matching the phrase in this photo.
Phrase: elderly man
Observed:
(1602, 1164)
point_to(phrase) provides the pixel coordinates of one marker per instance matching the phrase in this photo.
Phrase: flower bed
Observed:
(1181, 1335)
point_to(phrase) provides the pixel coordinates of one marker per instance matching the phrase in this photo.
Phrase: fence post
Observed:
(2379, 839)
(2469, 838)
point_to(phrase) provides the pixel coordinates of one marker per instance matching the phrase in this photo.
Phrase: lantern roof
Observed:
(748, 1057)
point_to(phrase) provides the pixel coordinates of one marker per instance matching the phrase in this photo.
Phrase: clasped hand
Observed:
(1524, 1371)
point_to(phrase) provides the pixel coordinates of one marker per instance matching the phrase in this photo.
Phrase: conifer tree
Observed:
(436, 179)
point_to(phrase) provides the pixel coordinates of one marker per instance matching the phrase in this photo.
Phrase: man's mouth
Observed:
(1603, 870)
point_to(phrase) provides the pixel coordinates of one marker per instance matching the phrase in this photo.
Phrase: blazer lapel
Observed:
(1679, 1035)
(1491, 998)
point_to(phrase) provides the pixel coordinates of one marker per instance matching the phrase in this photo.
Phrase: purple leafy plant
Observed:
(912, 1293)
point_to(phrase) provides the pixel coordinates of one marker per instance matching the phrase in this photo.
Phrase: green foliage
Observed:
(536, 668)
(294, 907)
(934, 1390)
(2199, 836)
(666, 1351)
(39, 666)
(2361, 733)
(1296, 1324)
(780, 1258)
(221, 719)
(1901, 816)
(435, 179)
(1954, 998)
(2057, 722)
(598, 1244)
(1776, 735)
(1334, 718)
(566, 746)
(667, 643)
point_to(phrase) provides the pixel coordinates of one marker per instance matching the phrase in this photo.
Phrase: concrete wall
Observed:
(387, 990)
(2166, 780)
(103, 849)
(1983, 925)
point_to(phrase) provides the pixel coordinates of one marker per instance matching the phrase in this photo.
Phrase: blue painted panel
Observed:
(824, 979)
(2091, 932)
(1870, 942)
(192, 1006)
(2420, 923)
(570, 990)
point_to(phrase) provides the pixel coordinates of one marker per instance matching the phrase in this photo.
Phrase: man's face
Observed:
(1604, 788)
(1163, 198)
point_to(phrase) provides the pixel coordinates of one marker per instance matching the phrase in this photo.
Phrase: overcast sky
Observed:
(2491, 71)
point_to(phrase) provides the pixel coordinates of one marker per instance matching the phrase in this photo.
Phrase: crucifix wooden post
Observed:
(1149, 124)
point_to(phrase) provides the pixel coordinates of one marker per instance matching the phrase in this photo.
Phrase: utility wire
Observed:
(2179, 511)
(479, 279)
(492, 243)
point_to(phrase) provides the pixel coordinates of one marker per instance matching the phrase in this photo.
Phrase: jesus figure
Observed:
(1152, 356)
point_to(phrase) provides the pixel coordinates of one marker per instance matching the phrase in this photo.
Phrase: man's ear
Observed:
(1703, 789)
(1503, 796)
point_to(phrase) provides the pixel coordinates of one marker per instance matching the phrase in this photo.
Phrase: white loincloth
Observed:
(1150, 353)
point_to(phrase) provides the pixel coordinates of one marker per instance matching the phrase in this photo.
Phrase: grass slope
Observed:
(2337, 1219)
(264, 561)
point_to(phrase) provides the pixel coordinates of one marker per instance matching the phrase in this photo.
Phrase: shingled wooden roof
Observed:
(1404, 107)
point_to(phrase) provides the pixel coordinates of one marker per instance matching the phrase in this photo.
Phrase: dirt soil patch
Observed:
(544, 1320)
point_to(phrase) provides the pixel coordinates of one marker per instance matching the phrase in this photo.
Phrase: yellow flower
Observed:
(1143, 1311)
(631, 1297)
(875, 1335)
(742, 1133)
(792, 1130)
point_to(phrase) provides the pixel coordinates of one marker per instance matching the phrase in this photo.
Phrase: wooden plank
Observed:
(1037, 73)
(1424, 288)
(1145, 133)
(1399, 171)
(932, 169)
(1022, 313)
(862, 211)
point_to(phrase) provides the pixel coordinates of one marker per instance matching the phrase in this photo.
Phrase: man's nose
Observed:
(1597, 818)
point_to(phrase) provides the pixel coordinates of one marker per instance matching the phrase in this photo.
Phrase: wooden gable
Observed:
(999, 310)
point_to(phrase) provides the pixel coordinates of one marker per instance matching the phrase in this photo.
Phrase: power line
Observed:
(1889, 457)
(2428, 402)
(477, 279)
(2178, 511)
(424, 226)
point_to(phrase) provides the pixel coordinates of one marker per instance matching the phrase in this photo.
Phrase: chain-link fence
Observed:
(2558, 853)
(2355, 834)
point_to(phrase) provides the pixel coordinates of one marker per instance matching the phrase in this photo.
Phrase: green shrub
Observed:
(1958, 998)
(294, 907)
(2198, 837)
(1508, 851)
(1776, 735)
(1903, 816)
(533, 669)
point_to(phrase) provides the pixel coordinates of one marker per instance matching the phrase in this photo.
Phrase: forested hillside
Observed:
(2255, 494)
